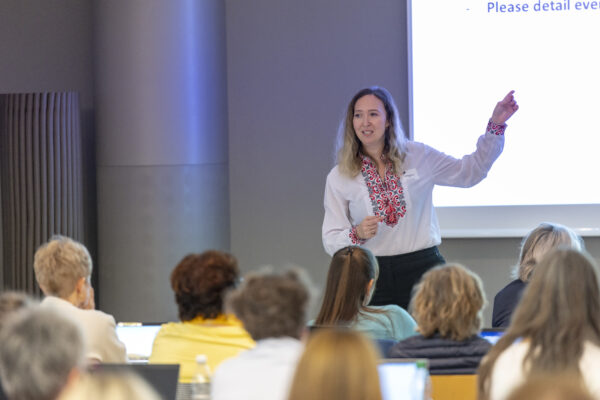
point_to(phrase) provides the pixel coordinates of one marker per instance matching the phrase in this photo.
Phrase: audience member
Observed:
(552, 387)
(110, 386)
(273, 309)
(555, 328)
(12, 301)
(541, 240)
(63, 269)
(337, 365)
(447, 306)
(351, 281)
(200, 282)
(41, 354)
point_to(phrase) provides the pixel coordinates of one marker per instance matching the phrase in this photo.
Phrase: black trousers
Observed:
(398, 274)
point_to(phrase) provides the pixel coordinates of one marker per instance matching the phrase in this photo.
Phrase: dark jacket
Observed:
(446, 356)
(505, 303)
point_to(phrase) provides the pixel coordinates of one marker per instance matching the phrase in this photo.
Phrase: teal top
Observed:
(394, 323)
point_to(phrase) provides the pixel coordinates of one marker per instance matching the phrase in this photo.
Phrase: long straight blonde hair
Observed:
(349, 148)
(337, 365)
(350, 271)
(556, 315)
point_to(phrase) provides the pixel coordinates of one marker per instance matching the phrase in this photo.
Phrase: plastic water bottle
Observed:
(422, 387)
(201, 379)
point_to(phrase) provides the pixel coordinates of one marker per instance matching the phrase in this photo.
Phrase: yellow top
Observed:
(179, 343)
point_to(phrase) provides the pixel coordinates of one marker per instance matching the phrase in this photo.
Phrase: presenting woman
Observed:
(379, 195)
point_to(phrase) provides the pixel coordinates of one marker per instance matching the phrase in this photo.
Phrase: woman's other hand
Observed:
(368, 227)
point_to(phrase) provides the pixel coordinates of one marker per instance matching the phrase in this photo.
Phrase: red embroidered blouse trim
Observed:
(387, 197)
(495, 129)
(354, 236)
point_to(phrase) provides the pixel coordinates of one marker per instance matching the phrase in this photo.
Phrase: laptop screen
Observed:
(162, 377)
(492, 335)
(138, 339)
(403, 379)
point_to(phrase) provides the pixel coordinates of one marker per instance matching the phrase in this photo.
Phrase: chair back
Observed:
(453, 387)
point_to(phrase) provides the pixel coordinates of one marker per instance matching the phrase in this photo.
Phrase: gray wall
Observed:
(292, 67)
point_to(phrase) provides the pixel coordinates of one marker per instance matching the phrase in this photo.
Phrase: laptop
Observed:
(162, 377)
(403, 378)
(138, 339)
(492, 334)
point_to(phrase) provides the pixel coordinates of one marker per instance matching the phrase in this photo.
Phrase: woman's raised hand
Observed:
(505, 109)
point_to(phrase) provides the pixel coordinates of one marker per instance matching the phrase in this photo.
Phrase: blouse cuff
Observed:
(495, 129)
(354, 236)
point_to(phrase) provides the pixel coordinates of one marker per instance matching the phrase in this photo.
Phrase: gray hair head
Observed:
(59, 264)
(39, 350)
(11, 302)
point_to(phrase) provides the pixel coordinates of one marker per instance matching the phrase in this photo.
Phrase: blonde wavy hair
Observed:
(557, 315)
(545, 237)
(103, 385)
(349, 148)
(448, 300)
(59, 264)
(337, 365)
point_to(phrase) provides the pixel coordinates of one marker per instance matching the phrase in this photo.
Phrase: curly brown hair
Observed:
(448, 300)
(200, 282)
(271, 305)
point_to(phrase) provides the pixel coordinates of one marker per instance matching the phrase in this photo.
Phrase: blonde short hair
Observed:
(337, 364)
(545, 237)
(102, 385)
(448, 300)
(59, 264)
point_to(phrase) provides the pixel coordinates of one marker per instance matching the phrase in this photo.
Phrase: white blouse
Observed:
(508, 372)
(406, 202)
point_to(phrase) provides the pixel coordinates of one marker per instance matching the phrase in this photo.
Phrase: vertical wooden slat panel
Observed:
(69, 159)
(7, 250)
(13, 146)
(44, 227)
(50, 169)
(77, 151)
(64, 194)
(40, 162)
(29, 222)
(3, 177)
(38, 215)
(21, 231)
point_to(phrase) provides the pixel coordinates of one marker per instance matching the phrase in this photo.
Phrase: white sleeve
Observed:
(336, 223)
(219, 384)
(113, 350)
(469, 170)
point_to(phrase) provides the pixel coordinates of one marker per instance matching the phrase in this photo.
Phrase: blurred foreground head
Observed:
(337, 364)
(41, 353)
